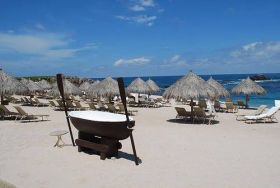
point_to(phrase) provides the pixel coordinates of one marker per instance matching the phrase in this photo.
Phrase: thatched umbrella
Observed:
(154, 87)
(107, 88)
(32, 86)
(85, 86)
(10, 85)
(44, 84)
(248, 87)
(139, 86)
(92, 90)
(221, 91)
(69, 89)
(190, 87)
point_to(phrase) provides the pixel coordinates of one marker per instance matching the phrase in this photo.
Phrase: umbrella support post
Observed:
(2, 99)
(191, 110)
(247, 99)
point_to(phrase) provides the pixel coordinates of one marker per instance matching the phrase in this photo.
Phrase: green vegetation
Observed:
(50, 79)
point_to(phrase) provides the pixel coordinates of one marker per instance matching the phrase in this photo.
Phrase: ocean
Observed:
(228, 81)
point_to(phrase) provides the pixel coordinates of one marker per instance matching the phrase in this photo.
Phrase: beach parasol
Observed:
(154, 87)
(106, 88)
(10, 85)
(44, 84)
(32, 86)
(248, 87)
(139, 86)
(221, 91)
(69, 89)
(85, 86)
(92, 90)
(190, 87)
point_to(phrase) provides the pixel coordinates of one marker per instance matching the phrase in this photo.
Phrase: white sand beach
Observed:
(227, 154)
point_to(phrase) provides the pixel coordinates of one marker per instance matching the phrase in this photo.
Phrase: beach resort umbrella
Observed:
(44, 84)
(248, 87)
(85, 86)
(221, 91)
(92, 90)
(32, 86)
(10, 85)
(69, 89)
(190, 87)
(139, 86)
(154, 87)
(106, 88)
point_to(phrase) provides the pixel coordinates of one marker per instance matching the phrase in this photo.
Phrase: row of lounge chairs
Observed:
(118, 108)
(32, 102)
(199, 114)
(227, 107)
(20, 114)
(148, 103)
(262, 114)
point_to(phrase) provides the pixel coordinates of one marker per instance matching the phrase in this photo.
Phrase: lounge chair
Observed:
(182, 113)
(79, 106)
(230, 107)
(60, 104)
(102, 107)
(132, 103)
(112, 108)
(5, 184)
(39, 103)
(6, 113)
(211, 108)
(277, 103)
(260, 110)
(241, 104)
(93, 106)
(201, 115)
(55, 106)
(202, 104)
(130, 111)
(217, 105)
(268, 116)
(25, 115)
(70, 105)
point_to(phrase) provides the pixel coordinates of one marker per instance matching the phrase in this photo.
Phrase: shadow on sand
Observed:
(188, 121)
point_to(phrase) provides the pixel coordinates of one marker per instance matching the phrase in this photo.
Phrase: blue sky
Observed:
(139, 37)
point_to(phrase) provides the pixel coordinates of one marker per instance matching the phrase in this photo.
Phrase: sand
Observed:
(228, 154)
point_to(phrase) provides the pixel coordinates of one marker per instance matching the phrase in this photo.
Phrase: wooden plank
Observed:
(97, 147)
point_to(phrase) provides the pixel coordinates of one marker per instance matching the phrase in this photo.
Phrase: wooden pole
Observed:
(2, 99)
(123, 97)
(61, 90)
(191, 109)
(247, 100)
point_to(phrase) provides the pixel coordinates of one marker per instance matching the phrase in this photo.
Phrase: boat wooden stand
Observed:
(105, 147)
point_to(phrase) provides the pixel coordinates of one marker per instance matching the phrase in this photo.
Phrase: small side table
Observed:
(59, 142)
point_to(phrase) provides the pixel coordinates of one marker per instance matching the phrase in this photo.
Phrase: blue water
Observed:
(228, 81)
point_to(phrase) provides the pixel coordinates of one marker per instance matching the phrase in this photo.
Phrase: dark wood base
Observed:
(105, 147)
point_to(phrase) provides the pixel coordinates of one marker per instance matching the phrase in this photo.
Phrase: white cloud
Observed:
(135, 61)
(141, 5)
(43, 45)
(39, 26)
(141, 19)
(257, 50)
(147, 3)
(137, 8)
(176, 60)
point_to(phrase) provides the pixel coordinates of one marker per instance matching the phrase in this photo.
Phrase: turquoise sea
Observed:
(228, 81)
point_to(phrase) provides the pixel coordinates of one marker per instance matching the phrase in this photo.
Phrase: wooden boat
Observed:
(103, 124)
(100, 132)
